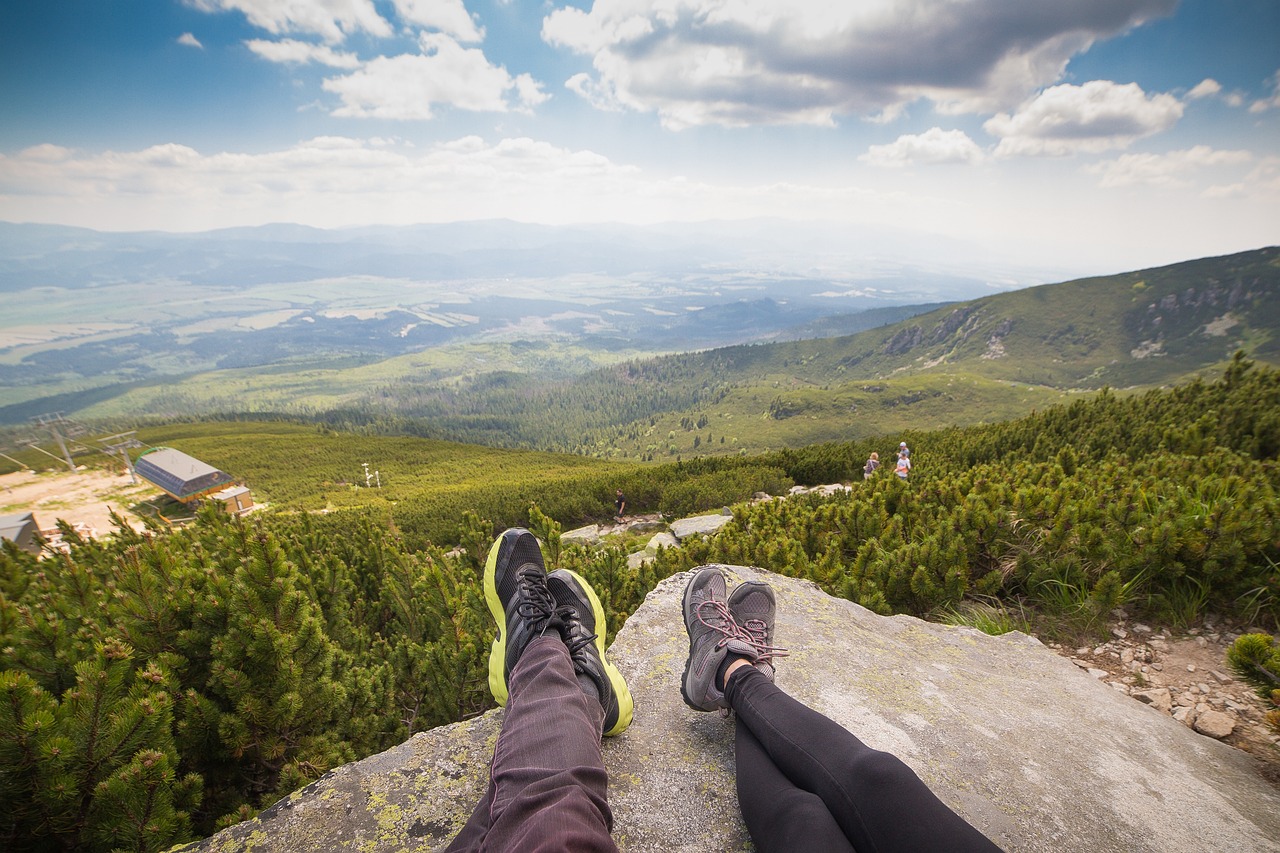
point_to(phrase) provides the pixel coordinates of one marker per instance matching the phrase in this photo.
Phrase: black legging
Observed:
(806, 783)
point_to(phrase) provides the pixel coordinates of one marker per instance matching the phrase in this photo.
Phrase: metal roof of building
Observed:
(21, 529)
(182, 476)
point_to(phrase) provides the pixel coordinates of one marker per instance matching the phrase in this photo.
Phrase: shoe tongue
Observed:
(741, 647)
(589, 686)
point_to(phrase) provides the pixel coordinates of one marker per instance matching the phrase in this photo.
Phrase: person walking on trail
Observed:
(619, 505)
(873, 463)
(547, 665)
(903, 468)
(804, 782)
(903, 450)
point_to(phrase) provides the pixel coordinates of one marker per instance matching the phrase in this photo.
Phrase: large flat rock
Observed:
(1033, 751)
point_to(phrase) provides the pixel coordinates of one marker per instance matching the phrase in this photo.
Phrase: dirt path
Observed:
(83, 499)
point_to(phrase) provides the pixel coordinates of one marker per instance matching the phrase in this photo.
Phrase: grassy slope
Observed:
(312, 468)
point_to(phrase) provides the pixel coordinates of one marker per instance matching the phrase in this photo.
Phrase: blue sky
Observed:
(1085, 135)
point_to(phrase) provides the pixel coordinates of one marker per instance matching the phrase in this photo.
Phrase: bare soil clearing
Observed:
(83, 499)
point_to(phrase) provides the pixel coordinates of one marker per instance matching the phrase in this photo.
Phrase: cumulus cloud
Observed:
(1174, 169)
(409, 86)
(933, 147)
(1269, 103)
(189, 40)
(331, 20)
(1098, 116)
(293, 52)
(447, 16)
(741, 62)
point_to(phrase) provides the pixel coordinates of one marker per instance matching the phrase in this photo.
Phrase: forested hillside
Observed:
(974, 362)
(157, 686)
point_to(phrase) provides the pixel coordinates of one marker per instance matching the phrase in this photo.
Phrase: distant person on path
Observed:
(873, 463)
(903, 450)
(547, 784)
(804, 781)
(903, 467)
(619, 505)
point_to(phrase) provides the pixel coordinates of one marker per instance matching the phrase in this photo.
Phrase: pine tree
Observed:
(95, 770)
(271, 674)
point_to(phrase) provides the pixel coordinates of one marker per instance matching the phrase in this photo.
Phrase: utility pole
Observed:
(120, 443)
(61, 429)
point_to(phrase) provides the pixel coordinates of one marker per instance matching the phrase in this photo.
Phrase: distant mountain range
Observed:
(87, 310)
(489, 332)
(978, 361)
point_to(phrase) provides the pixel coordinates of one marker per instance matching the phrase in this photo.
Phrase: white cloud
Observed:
(1175, 169)
(743, 62)
(407, 87)
(293, 52)
(933, 147)
(189, 40)
(447, 16)
(1206, 88)
(1271, 102)
(1098, 116)
(336, 181)
(332, 20)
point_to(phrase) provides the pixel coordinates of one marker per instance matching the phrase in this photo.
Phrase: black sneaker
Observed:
(583, 630)
(515, 588)
(752, 606)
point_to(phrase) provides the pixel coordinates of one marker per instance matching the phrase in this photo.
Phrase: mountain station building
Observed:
(188, 480)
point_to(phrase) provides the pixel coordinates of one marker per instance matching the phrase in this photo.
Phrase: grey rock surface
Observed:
(661, 540)
(697, 525)
(589, 535)
(1025, 745)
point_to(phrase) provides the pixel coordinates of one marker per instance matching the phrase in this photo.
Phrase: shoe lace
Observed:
(536, 602)
(716, 615)
(756, 632)
(575, 636)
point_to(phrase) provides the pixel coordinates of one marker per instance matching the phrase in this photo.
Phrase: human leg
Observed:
(878, 801)
(780, 816)
(547, 784)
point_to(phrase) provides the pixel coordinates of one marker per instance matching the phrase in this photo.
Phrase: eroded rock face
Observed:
(1018, 740)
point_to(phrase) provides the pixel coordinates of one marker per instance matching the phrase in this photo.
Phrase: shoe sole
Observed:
(498, 652)
(688, 589)
(626, 708)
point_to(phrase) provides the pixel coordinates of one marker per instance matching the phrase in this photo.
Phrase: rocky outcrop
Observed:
(699, 525)
(1017, 739)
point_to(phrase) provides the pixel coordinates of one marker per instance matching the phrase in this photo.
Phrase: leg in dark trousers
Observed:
(878, 802)
(547, 785)
(779, 815)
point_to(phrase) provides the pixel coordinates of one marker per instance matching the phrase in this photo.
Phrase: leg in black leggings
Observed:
(779, 815)
(879, 803)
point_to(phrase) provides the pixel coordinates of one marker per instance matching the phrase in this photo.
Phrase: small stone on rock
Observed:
(1215, 724)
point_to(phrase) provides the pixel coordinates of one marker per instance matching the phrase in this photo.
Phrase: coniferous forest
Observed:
(157, 686)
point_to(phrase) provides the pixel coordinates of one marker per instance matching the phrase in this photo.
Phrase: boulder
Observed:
(638, 559)
(1215, 724)
(589, 535)
(1023, 744)
(1159, 698)
(661, 540)
(699, 525)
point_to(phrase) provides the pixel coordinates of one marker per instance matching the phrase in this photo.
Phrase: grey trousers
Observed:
(547, 784)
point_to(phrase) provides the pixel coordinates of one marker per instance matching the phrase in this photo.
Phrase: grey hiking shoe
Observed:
(713, 636)
(752, 606)
(515, 588)
(583, 629)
